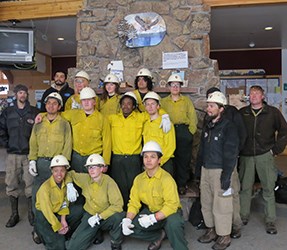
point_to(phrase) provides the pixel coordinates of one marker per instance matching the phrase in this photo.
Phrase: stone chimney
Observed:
(187, 29)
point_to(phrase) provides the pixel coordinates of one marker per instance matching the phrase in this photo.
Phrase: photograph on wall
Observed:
(142, 29)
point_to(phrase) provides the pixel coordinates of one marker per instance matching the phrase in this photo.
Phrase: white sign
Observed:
(175, 60)
(38, 94)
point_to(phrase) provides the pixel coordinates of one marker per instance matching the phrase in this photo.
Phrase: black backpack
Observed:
(195, 215)
(281, 190)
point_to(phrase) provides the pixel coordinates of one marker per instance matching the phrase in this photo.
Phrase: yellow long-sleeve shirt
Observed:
(76, 98)
(158, 193)
(181, 111)
(103, 197)
(51, 200)
(152, 132)
(127, 132)
(51, 138)
(91, 134)
(141, 106)
(110, 106)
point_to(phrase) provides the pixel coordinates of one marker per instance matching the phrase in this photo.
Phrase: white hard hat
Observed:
(130, 94)
(175, 78)
(56, 96)
(59, 160)
(83, 74)
(112, 78)
(151, 95)
(144, 72)
(87, 93)
(217, 97)
(95, 159)
(151, 146)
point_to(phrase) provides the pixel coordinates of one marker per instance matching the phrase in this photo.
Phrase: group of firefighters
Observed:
(118, 163)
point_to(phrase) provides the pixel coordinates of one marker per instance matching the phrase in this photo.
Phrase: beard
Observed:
(59, 83)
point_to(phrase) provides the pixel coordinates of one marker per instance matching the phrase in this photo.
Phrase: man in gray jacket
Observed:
(16, 124)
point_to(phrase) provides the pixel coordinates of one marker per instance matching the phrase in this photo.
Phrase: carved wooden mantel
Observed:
(33, 9)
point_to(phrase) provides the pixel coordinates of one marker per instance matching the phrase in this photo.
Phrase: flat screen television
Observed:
(16, 45)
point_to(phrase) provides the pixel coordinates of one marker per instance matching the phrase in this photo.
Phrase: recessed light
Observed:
(251, 44)
(60, 38)
(268, 28)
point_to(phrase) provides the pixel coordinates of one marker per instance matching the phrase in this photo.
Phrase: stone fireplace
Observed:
(187, 29)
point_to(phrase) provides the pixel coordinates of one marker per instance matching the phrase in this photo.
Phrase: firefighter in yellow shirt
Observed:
(152, 131)
(82, 80)
(183, 116)
(143, 84)
(103, 207)
(154, 205)
(110, 99)
(49, 138)
(54, 220)
(91, 131)
(126, 130)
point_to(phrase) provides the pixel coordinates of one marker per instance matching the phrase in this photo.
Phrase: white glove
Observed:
(32, 168)
(72, 193)
(75, 105)
(94, 220)
(165, 123)
(147, 220)
(126, 226)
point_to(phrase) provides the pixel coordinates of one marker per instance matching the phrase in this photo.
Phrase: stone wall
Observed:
(188, 27)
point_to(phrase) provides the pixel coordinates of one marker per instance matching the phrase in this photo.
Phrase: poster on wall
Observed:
(142, 29)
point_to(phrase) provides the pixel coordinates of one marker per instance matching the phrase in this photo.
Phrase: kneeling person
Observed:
(53, 218)
(103, 207)
(157, 191)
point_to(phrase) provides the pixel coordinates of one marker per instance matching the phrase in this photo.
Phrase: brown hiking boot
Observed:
(209, 236)
(222, 242)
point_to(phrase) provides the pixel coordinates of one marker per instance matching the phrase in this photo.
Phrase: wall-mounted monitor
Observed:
(16, 45)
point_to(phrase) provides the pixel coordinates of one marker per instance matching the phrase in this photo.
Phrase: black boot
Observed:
(30, 212)
(14, 218)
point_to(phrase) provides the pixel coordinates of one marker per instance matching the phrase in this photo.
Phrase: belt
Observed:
(180, 125)
(46, 158)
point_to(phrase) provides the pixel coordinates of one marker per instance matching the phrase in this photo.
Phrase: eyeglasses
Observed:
(174, 85)
(79, 80)
(94, 166)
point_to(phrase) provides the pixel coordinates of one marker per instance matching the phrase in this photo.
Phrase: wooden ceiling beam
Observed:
(35, 9)
(225, 3)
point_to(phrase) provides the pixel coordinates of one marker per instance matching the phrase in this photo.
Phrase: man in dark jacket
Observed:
(267, 137)
(233, 115)
(60, 86)
(16, 124)
(217, 159)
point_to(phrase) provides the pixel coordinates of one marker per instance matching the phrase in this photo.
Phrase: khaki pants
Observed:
(216, 209)
(236, 218)
(17, 169)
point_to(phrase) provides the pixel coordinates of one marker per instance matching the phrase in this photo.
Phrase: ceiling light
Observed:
(60, 38)
(252, 44)
(268, 28)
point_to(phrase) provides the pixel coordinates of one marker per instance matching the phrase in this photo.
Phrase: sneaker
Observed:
(271, 228)
(209, 236)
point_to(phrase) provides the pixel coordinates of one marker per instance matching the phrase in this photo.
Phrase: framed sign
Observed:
(142, 29)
